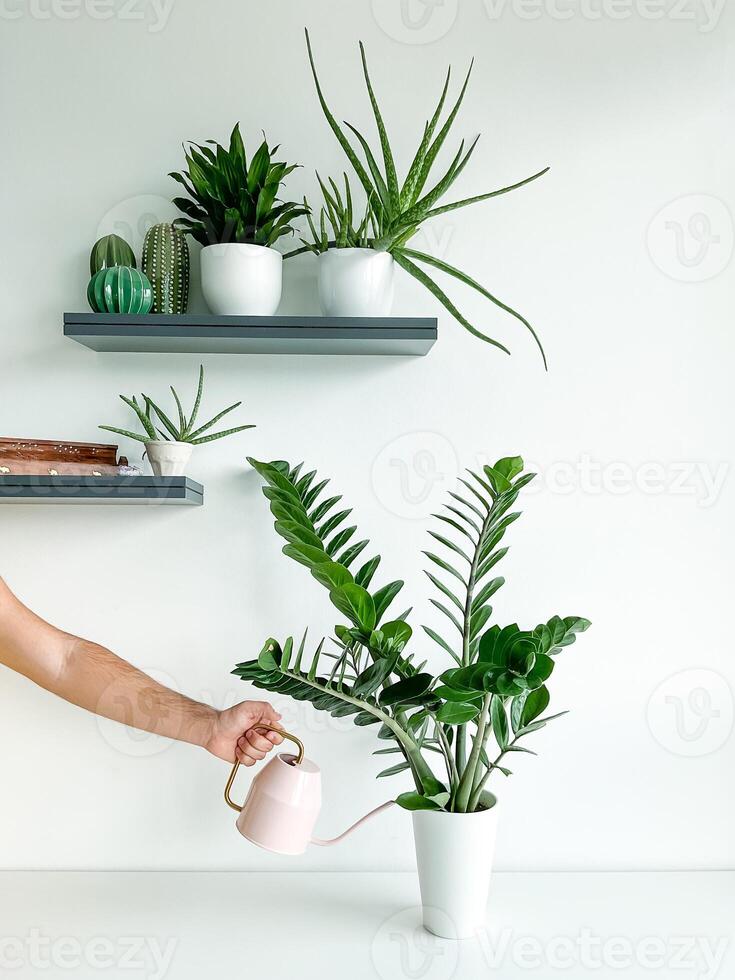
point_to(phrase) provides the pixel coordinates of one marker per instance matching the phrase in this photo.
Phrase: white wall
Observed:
(632, 113)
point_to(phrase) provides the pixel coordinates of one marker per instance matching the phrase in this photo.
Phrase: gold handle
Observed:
(270, 728)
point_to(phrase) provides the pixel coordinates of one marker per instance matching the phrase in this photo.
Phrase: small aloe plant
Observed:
(336, 216)
(152, 417)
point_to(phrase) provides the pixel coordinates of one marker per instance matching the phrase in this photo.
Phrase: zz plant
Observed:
(496, 686)
(231, 200)
(401, 207)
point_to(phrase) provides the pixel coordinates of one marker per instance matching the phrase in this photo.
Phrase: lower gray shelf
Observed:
(101, 490)
(201, 334)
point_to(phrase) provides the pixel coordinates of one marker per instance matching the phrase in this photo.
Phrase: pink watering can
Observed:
(283, 802)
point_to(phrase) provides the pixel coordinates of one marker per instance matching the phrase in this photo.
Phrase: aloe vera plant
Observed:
(158, 425)
(231, 200)
(336, 227)
(494, 693)
(401, 207)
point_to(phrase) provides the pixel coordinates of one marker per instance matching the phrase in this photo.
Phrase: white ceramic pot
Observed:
(168, 458)
(356, 282)
(454, 855)
(241, 279)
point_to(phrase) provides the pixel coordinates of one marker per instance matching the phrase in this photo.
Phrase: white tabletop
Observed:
(181, 925)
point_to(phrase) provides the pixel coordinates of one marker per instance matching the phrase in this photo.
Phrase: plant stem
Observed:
(480, 776)
(461, 746)
(475, 798)
(420, 768)
(448, 758)
(467, 782)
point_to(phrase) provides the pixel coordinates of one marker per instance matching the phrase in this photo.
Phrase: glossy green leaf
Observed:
(415, 801)
(356, 603)
(384, 596)
(397, 631)
(452, 713)
(406, 691)
(331, 575)
(499, 721)
(394, 770)
(536, 703)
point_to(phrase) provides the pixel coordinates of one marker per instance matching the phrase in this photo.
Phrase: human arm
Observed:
(92, 677)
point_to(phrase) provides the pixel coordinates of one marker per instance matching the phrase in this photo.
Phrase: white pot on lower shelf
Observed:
(241, 279)
(168, 458)
(356, 282)
(454, 855)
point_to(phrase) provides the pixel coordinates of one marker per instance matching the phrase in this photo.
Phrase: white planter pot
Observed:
(168, 458)
(454, 855)
(356, 282)
(241, 279)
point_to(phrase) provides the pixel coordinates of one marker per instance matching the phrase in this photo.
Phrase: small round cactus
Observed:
(120, 289)
(109, 252)
(166, 263)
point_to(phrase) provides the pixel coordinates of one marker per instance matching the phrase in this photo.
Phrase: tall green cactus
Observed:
(166, 263)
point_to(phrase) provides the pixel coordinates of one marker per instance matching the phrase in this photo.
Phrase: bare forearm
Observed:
(92, 677)
(96, 679)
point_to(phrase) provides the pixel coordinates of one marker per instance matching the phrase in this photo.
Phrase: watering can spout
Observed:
(283, 803)
(358, 823)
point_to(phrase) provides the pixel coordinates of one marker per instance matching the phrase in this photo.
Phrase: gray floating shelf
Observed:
(201, 334)
(101, 490)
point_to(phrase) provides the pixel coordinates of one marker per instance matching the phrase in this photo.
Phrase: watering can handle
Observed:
(269, 728)
(368, 816)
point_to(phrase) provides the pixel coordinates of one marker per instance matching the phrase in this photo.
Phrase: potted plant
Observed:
(354, 278)
(402, 207)
(467, 719)
(168, 444)
(233, 210)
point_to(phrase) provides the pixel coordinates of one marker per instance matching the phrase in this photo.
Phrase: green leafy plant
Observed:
(231, 201)
(151, 417)
(402, 207)
(496, 686)
(336, 221)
